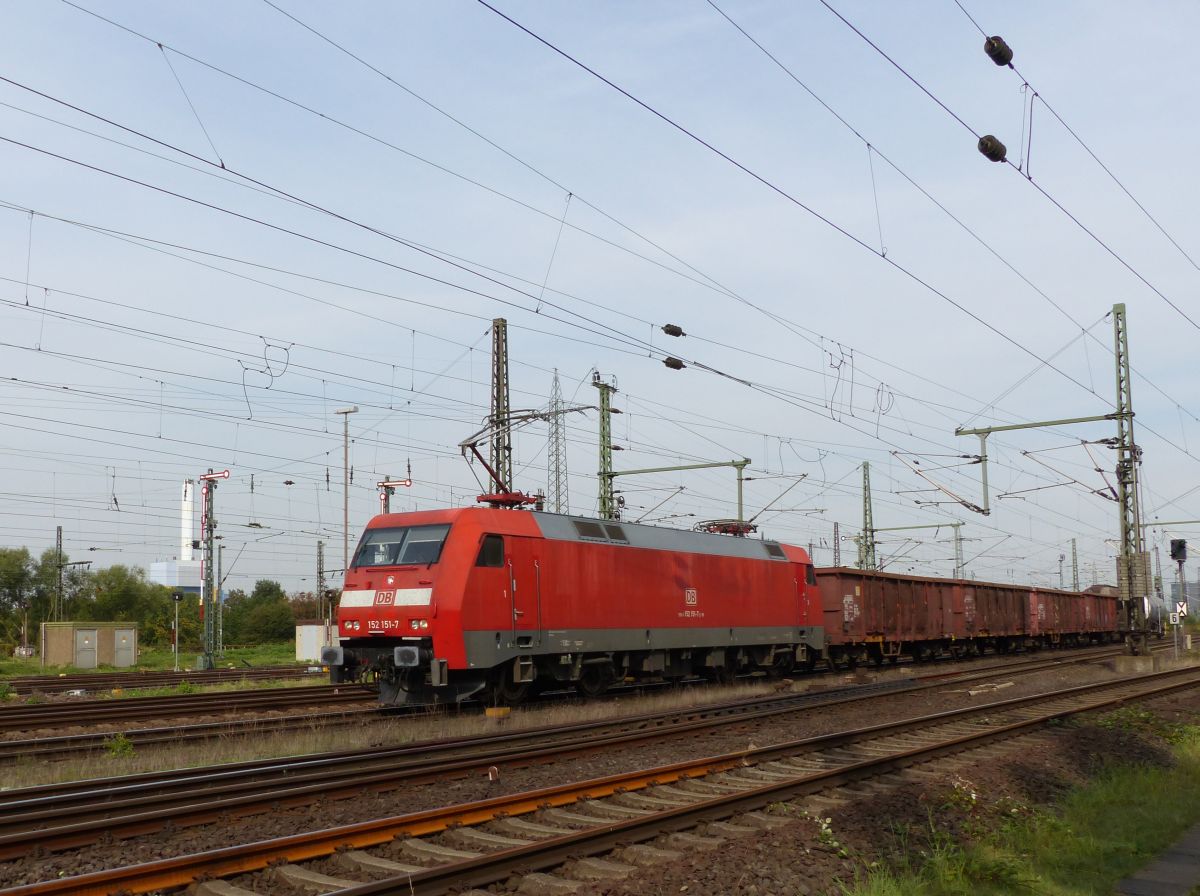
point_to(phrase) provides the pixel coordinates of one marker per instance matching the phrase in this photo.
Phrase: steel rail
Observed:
(74, 744)
(92, 681)
(115, 791)
(239, 789)
(182, 870)
(62, 745)
(47, 715)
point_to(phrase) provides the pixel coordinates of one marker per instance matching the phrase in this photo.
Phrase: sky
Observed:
(221, 222)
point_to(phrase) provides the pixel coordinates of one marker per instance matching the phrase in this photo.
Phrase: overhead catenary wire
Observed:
(1086, 148)
(1037, 186)
(707, 281)
(751, 378)
(770, 185)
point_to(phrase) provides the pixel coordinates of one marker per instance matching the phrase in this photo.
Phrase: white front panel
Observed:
(386, 597)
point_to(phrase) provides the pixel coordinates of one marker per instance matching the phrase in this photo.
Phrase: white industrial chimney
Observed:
(185, 522)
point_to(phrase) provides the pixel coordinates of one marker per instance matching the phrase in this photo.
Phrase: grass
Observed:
(355, 733)
(161, 659)
(1099, 835)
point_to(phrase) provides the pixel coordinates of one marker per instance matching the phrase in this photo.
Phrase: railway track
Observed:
(485, 842)
(24, 717)
(57, 747)
(25, 685)
(63, 816)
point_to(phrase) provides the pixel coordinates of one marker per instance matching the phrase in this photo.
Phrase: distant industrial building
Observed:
(182, 573)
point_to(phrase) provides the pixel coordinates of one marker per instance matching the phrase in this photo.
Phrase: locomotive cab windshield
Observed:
(407, 546)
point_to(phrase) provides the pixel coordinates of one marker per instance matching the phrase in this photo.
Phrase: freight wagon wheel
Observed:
(594, 680)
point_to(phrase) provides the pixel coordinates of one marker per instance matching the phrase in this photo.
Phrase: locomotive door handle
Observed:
(518, 612)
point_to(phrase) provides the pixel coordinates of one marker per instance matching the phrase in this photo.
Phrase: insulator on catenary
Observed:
(992, 148)
(998, 51)
(673, 363)
(673, 330)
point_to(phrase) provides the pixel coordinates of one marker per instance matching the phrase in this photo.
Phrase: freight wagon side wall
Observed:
(996, 611)
(860, 606)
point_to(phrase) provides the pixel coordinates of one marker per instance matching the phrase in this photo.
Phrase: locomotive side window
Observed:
(811, 575)
(400, 546)
(491, 552)
(774, 550)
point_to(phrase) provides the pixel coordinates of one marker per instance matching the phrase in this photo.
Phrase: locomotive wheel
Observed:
(506, 692)
(594, 680)
(722, 674)
(782, 664)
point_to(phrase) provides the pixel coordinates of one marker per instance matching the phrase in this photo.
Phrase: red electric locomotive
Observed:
(446, 605)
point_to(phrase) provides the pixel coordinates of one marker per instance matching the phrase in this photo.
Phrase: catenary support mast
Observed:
(866, 541)
(1132, 574)
(556, 456)
(608, 504)
(500, 453)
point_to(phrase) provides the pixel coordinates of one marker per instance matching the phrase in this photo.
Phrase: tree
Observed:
(270, 621)
(305, 607)
(16, 578)
(261, 616)
(17, 571)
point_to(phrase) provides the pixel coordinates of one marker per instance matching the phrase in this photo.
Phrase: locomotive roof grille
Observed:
(564, 528)
(589, 530)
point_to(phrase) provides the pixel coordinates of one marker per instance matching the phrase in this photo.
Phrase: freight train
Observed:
(443, 606)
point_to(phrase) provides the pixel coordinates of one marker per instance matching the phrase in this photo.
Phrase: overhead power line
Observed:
(1104, 167)
(1037, 186)
(784, 194)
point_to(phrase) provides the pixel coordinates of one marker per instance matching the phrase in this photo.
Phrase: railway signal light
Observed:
(1178, 549)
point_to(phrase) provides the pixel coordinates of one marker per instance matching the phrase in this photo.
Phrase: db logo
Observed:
(384, 598)
(689, 597)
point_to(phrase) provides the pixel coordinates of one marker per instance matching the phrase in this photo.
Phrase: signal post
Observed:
(208, 577)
